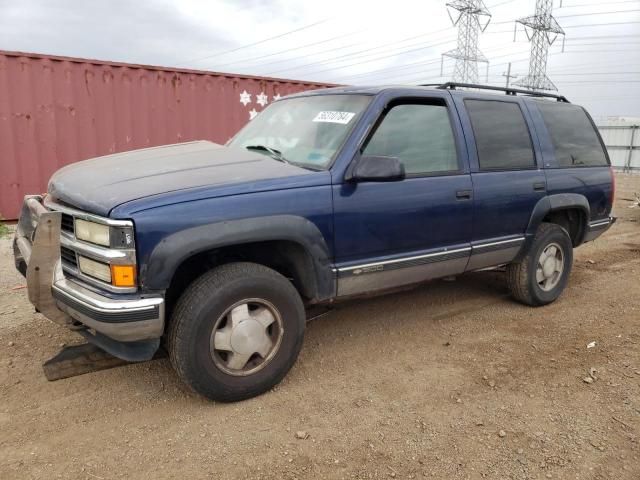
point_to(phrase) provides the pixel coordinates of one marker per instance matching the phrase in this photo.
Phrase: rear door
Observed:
(506, 171)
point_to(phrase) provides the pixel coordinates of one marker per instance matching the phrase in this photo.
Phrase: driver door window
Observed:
(420, 135)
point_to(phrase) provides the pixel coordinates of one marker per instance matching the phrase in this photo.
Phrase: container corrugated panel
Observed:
(58, 110)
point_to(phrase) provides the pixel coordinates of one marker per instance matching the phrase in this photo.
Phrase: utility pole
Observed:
(471, 18)
(508, 75)
(542, 30)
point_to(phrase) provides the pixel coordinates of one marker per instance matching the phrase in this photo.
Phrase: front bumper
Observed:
(104, 320)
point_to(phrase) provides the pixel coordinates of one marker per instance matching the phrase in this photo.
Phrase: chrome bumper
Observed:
(63, 300)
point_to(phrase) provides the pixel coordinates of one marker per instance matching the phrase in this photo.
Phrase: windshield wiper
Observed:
(275, 154)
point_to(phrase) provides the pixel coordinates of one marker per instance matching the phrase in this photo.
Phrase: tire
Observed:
(202, 358)
(524, 277)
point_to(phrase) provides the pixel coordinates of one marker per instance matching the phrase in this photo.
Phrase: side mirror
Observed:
(375, 169)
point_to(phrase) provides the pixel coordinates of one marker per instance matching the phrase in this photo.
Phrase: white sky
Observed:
(372, 42)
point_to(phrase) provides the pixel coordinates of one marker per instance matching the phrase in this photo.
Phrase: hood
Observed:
(100, 184)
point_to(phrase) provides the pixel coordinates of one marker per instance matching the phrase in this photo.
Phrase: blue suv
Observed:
(217, 253)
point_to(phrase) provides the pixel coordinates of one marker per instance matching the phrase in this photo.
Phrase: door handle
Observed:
(464, 194)
(539, 186)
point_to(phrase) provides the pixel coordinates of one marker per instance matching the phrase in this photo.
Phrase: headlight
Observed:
(93, 232)
(116, 275)
(94, 269)
(98, 250)
(120, 237)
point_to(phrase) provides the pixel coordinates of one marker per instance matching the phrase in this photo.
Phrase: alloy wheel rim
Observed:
(246, 337)
(550, 267)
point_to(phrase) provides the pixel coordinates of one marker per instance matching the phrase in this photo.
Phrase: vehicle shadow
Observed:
(426, 307)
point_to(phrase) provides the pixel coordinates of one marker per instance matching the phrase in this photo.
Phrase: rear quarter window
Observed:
(573, 136)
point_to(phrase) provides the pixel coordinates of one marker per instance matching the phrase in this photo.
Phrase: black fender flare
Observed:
(174, 249)
(551, 203)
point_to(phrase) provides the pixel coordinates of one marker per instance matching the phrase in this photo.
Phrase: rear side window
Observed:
(575, 141)
(420, 135)
(502, 136)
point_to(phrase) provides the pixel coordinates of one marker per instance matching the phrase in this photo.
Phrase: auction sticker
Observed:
(334, 117)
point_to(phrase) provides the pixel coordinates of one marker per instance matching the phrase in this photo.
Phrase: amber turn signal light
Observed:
(123, 275)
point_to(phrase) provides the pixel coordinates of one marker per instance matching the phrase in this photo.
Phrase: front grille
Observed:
(68, 257)
(67, 223)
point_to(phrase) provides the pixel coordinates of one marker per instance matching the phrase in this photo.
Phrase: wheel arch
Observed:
(569, 210)
(287, 240)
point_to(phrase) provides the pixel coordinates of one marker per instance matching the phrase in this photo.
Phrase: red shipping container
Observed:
(59, 110)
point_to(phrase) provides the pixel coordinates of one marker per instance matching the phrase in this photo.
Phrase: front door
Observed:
(389, 234)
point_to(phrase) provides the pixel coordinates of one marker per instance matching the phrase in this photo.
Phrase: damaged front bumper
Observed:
(127, 326)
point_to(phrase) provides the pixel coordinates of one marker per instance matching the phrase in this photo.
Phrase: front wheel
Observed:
(541, 276)
(236, 331)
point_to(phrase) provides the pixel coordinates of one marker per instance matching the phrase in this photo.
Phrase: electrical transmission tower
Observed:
(542, 30)
(471, 18)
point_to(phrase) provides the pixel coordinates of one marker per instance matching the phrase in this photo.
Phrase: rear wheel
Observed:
(541, 276)
(236, 331)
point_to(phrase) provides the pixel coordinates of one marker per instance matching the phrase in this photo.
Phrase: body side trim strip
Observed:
(404, 259)
(494, 244)
(599, 223)
(443, 253)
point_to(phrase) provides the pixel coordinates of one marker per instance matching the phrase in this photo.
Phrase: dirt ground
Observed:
(452, 380)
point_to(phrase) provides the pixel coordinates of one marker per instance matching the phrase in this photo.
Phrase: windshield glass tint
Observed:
(308, 131)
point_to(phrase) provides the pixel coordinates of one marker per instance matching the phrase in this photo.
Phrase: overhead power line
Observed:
(416, 65)
(419, 63)
(571, 68)
(289, 60)
(342, 47)
(357, 54)
(287, 50)
(351, 54)
(394, 68)
(391, 77)
(574, 82)
(597, 13)
(609, 24)
(381, 58)
(490, 7)
(597, 4)
(592, 37)
(580, 15)
(422, 62)
(573, 74)
(259, 42)
(374, 59)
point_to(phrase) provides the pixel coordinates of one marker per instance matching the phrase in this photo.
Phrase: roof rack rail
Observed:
(507, 90)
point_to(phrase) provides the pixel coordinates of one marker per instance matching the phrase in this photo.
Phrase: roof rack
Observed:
(507, 90)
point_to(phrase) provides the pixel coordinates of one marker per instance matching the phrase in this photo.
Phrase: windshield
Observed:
(304, 131)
